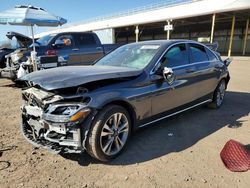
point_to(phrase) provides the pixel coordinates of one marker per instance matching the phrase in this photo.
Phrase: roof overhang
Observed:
(191, 9)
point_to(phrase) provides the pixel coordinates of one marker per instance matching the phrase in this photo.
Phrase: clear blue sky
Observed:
(72, 10)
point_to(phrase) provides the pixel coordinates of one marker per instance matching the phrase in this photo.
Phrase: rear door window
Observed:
(176, 56)
(198, 53)
(85, 39)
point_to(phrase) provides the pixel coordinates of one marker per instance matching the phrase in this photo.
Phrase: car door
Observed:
(69, 50)
(206, 74)
(89, 48)
(167, 97)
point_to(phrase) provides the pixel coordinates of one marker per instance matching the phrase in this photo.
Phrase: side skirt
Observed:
(175, 113)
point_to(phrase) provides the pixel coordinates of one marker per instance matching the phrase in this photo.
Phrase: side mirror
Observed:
(168, 75)
(58, 44)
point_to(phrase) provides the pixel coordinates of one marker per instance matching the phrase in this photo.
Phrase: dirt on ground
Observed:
(183, 151)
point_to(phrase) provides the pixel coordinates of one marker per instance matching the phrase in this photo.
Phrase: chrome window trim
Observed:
(186, 42)
(175, 113)
(191, 64)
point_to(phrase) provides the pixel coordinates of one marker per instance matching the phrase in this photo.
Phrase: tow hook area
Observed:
(51, 140)
(56, 136)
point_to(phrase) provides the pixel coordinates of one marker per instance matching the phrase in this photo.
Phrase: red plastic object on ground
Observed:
(235, 156)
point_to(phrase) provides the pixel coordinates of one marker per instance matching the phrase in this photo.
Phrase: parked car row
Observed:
(97, 107)
(75, 48)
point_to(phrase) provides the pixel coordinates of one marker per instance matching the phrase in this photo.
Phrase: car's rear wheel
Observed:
(219, 95)
(2, 63)
(109, 133)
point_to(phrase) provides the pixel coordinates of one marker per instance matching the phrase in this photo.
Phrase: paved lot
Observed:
(153, 158)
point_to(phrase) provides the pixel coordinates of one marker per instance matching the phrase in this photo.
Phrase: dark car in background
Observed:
(3, 52)
(96, 108)
(79, 48)
(22, 41)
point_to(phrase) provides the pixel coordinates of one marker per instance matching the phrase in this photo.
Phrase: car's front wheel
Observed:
(219, 94)
(109, 133)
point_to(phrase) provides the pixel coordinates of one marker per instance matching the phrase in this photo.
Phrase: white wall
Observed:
(106, 36)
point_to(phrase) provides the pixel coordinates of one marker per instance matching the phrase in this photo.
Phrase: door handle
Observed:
(99, 48)
(75, 49)
(189, 70)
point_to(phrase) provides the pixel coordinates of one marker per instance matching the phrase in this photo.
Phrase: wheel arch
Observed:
(227, 78)
(130, 109)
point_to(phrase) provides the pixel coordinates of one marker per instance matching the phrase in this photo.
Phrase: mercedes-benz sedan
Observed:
(96, 108)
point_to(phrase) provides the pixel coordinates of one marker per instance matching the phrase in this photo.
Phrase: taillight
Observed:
(51, 52)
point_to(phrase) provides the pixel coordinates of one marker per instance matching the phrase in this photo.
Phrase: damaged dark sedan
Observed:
(96, 108)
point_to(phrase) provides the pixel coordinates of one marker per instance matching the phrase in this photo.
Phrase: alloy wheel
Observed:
(220, 93)
(114, 134)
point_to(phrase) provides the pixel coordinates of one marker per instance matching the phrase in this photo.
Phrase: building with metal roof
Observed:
(223, 21)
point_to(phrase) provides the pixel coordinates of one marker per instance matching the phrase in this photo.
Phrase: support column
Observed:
(212, 29)
(113, 36)
(245, 38)
(33, 53)
(137, 33)
(231, 37)
(168, 31)
(33, 38)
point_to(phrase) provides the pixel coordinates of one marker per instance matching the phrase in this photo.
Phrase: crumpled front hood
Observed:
(73, 76)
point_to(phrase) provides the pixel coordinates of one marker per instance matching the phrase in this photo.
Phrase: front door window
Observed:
(176, 56)
(67, 40)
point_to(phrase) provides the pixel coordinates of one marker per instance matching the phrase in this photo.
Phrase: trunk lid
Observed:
(23, 40)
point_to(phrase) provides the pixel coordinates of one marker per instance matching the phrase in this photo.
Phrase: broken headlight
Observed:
(65, 113)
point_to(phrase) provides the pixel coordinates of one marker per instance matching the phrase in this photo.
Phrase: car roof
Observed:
(164, 42)
(70, 32)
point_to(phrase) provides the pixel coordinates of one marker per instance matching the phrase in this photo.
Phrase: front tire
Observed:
(218, 95)
(109, 133)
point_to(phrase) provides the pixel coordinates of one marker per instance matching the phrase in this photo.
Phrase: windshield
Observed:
(133, 56)
(44, 41)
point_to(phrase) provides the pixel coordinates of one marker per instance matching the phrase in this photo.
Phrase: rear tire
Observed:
(218, 95)
(2, 63)
(109, 133)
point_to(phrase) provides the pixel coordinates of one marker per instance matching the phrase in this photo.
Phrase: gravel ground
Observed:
(182, 151)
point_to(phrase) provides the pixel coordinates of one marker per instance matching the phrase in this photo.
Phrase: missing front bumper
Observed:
(51, 140)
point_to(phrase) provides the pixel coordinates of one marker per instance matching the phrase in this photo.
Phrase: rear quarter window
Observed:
(211, 56)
